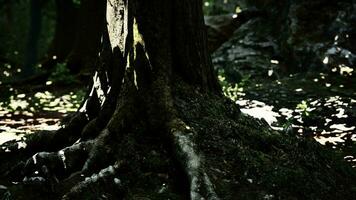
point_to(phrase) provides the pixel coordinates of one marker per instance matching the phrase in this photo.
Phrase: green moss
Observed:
(245, 155)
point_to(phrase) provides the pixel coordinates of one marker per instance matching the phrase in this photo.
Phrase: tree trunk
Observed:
(77, 36)
(155, 125)
(87, 39)
(64, 35)
(33, 37)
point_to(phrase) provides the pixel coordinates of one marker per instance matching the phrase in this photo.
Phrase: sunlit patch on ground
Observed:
(331, 130)
(8, 134)
(24, 114)
(17, 126)
(259, 110)
(330, 121)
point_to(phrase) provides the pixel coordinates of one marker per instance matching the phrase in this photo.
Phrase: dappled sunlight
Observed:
(8, 134)
(16, 103)
(258, 110)
(40, 101)
(326, 60)
(335, 139)
(329, 120)
(98, 88)
(345, 70)
(329, 132)
(23, 113)
(351, 159)
(15, 129)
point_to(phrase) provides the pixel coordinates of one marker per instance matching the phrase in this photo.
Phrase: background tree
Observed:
(33, 38)
(76, 40)
(64, 35)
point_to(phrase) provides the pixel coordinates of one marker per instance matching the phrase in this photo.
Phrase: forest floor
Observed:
(313, 105)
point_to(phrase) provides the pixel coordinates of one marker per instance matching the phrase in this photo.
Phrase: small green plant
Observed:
(288, 126)
(61, 74)
(303, 108)
(232, 90)
(77, 2)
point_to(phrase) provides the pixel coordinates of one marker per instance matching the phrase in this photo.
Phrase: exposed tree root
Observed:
(103, 185)
(186, 153)
(51, 166)
(12, 151)
(101, 154)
